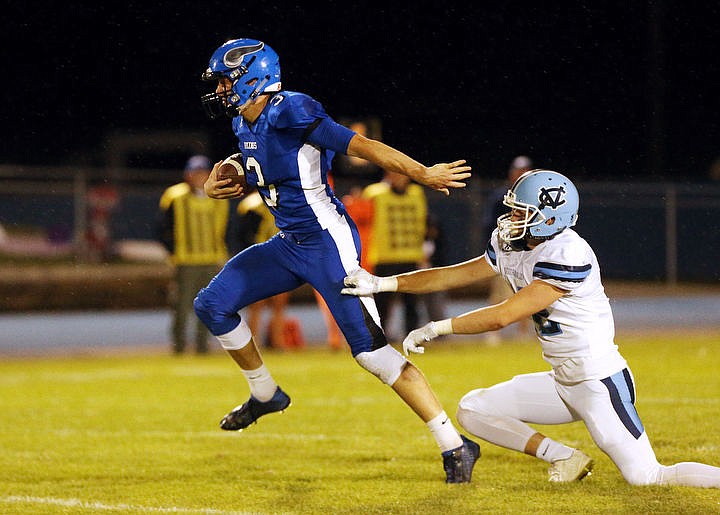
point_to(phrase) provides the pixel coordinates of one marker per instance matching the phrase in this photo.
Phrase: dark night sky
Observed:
(577, 87)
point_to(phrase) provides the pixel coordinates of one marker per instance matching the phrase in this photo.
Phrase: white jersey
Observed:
(576, 331)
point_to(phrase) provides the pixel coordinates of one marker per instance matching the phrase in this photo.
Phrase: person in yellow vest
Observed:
(257, 225)
(192, 227)
(399, 224)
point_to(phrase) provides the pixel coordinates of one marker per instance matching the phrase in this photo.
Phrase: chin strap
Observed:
(522, 244)
(256, 93)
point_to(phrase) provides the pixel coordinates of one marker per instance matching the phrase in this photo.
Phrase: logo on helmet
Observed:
(551, 197)
(234, 57)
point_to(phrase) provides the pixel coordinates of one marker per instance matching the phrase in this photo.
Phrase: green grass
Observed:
(139, 434)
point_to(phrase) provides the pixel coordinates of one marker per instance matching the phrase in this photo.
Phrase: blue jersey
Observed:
(287, 153)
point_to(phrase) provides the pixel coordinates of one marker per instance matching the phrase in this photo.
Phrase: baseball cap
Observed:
(521, 162)
(198, 162)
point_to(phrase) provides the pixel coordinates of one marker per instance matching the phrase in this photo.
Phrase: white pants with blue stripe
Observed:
(500, 414)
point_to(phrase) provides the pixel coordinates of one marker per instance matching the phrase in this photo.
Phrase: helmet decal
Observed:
(234, 57)
(551, 197)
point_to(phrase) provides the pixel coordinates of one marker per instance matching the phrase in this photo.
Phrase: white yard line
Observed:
(100, 506)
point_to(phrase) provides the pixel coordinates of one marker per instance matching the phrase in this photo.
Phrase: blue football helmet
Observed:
(252, 67)
(543, 203)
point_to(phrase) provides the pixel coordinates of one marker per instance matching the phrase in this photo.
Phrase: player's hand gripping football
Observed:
(361, 282)
(443, 176)
(414, 341)
(221, 188)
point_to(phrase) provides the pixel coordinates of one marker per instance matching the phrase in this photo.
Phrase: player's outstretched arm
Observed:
(535, 297)
(360, 282)
(440, 177)
(221, 189)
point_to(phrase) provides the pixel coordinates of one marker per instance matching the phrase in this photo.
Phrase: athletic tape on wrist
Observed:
(388, 283)
(443, 327)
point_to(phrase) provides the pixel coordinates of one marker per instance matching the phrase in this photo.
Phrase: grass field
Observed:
(139, 434)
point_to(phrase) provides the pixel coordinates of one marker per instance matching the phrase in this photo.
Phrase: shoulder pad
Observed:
(289, 109)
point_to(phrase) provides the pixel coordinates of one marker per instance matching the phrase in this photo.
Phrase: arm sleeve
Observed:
(565, 277)
(331, 135)
(565, 267)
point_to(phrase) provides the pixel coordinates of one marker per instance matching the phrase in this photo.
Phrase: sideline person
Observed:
(396, 238)
(192, 227)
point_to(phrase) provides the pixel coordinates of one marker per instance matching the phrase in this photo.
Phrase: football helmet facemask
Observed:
(252, 67)
(543, 203)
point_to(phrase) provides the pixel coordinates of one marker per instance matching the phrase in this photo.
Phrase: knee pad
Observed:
(473, 407)
(475, 401)
(237, 338)
(477, 416)
(386, 363)
(464, 417)
(638, 476)
(208, 308)
(639, 467)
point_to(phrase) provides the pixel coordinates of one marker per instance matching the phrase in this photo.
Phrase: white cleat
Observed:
(576, 467)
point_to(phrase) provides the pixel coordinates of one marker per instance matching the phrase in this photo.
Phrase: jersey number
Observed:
(253, 165)
(545, 326)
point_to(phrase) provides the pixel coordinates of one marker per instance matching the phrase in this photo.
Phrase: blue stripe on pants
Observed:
(622, 396)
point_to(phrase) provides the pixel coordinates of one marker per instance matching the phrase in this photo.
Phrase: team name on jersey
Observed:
(250, 145)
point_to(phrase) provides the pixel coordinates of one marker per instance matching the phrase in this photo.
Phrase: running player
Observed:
(287, 143)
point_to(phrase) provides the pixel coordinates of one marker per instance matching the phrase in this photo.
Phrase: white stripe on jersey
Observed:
(308, 160)
(328, 217)
(342, 236)
(318, 200)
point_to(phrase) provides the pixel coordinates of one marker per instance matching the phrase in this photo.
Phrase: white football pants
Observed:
(499, 415)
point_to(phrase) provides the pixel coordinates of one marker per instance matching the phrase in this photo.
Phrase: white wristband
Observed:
(443, 327)
(388, 283)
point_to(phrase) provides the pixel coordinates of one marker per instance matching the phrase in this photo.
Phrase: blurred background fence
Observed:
(640, 231)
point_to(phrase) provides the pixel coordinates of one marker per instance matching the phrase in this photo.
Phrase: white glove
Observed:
(414, 341)
(361, 282)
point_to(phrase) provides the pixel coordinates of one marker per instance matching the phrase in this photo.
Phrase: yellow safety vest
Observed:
(399, 224)
(199, 226)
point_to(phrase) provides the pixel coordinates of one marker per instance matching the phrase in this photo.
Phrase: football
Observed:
(232, 168)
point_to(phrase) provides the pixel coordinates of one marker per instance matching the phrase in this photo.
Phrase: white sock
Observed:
(550, 451)
(262, 385)
(444, 432)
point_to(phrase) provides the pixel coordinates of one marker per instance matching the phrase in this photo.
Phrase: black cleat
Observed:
(244, 415)
(458, 463)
